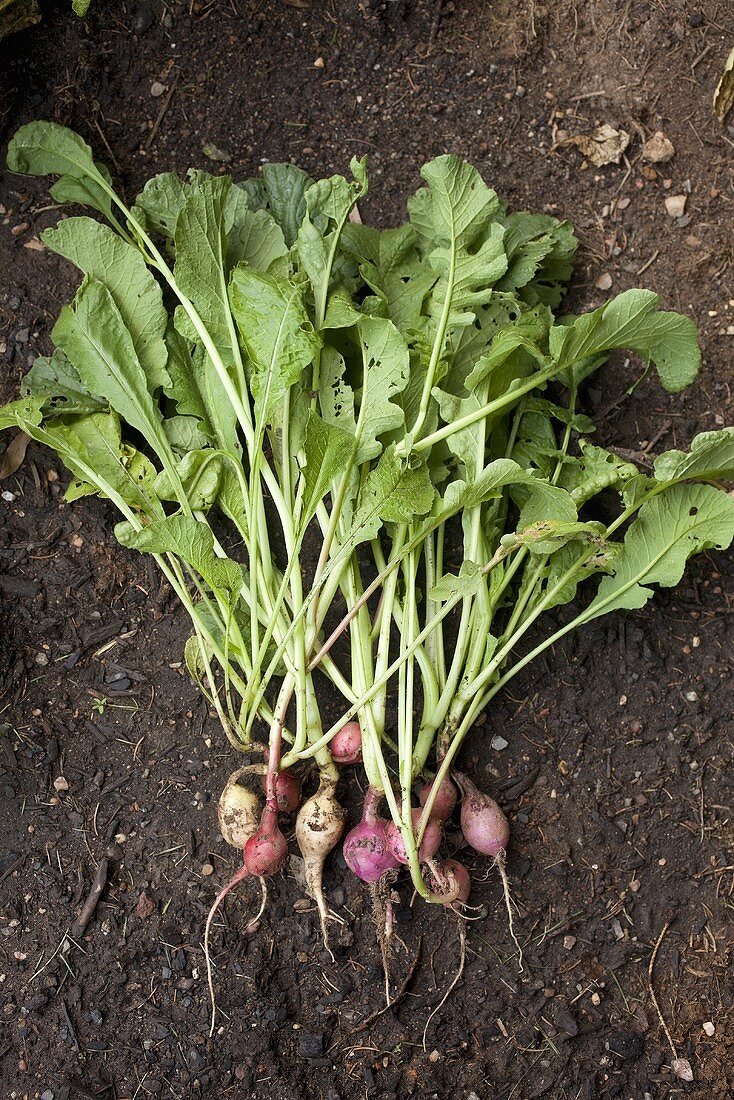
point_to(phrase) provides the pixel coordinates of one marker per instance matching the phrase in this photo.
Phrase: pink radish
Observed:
(487, 830)
(365, 847)
(346, 745)
(450, 879)
(429, 845)
(266, 850)
(483, 824)
(445, 800)
(287, 791)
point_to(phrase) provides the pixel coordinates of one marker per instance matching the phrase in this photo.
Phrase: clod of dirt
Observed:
(658, 149)
(604, 145)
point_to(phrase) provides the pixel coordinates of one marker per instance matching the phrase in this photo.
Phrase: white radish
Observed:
(319, 824)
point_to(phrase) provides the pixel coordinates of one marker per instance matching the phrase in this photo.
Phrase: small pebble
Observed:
(499, 743)
(675, 205)
(319, 63)
(709, 1028)
(604, 281)
(519, 91)
(61, 784)
(207, 869)
(157, 89)
(569, 942)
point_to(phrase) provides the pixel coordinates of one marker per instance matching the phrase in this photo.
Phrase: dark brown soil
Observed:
(617, 776)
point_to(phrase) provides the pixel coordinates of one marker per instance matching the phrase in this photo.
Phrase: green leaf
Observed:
(386, 363)
(679, 522)
(47, 149)
(456, 220)
(184, 434)
(393, 492)
(336, 397)
(86, 192)
(393, 269)
(540, 252)
(94, 337)
(160, 202)
(467, 583)
(594, 471)
(253, 236)
(80, 7)
(23, 413)
(328, 204)
(200, 473)
(191, 541)
(632, 320)
(201, 268)
(276, 330)
(57, 382)
(327, 449)
(711, 456)
(285, 187)
(99, 252)
(539, 501)
(92, 448)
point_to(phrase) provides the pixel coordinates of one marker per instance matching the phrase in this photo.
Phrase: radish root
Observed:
(240, 874)
(499, 862)
(455, 982)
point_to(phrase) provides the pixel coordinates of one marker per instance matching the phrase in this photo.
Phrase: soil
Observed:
(617, 772)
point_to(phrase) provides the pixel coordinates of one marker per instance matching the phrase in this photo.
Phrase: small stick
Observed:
(161, 115)
(87, 910)
(650, 968)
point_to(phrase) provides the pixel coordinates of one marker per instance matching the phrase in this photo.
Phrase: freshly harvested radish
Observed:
(238, 810)
(266, 850)
(487, 830)
(287, 791)
(483, 824)
(429, 845)
(450, 879)
(319, 824)
(444, 801)
(346, 745)
(365, 848)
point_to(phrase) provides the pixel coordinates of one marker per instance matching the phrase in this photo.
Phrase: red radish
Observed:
(365, 846)
(266, 850)
(287, 791)
(483, 824)
(451, 880)
(429, 845)
(346, 745)
(238, 811)
(319, 825)
(445, 800)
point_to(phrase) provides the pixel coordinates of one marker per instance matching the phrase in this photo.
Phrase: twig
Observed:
(650, 968)
(87, 910)
(161, 115)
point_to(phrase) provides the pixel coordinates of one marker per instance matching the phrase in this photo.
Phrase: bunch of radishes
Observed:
(375, 846)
